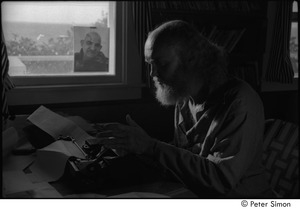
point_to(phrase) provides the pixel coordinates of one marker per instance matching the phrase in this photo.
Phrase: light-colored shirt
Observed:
(218, 145)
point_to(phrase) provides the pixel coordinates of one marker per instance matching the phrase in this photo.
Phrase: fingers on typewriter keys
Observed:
(99, 126)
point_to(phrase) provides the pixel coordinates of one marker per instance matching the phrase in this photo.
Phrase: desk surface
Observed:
(19, 183)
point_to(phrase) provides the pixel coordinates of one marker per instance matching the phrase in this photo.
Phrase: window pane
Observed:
(295, 6)
(45, 42)
(294, 42)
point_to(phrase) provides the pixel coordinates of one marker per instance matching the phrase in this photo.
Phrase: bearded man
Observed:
(219, 120)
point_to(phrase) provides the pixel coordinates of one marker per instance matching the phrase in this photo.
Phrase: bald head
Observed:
(91, 45)
(176, 34)
(194, 50)
(183, 59)
(93, 35)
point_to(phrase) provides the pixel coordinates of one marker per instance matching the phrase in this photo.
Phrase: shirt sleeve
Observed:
(232, 147)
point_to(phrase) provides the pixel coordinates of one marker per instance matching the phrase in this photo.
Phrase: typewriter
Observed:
(90, 172)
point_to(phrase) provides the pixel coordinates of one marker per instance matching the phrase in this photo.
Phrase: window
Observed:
(45, 48)
(294, 39)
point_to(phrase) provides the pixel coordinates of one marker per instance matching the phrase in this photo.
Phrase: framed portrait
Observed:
(91, 49)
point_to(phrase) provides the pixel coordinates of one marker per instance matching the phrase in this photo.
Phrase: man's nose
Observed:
(92, 46)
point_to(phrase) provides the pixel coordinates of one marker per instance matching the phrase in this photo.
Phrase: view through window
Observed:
(294, 39)
(57, 38)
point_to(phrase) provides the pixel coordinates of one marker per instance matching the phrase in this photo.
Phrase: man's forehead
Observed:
(148, 49)
(92, 37)
(158, 52)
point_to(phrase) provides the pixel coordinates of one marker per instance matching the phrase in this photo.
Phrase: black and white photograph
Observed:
(88, 46)
(151, 100)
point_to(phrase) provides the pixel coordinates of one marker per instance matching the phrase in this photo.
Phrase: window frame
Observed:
(126, 84)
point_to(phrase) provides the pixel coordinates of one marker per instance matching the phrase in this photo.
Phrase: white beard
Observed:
(165, 94)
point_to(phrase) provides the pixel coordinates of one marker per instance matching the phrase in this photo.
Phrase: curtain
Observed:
(142, 24)
(6, 83)
(279, 66)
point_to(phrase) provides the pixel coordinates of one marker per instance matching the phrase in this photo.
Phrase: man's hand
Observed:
(130, 138)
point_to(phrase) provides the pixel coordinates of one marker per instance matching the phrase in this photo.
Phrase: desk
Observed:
(18, 183)
(27, 185)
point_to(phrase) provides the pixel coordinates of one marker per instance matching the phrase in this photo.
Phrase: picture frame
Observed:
(91, 49)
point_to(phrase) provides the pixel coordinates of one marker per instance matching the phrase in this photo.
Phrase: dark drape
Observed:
(6, 83)
(279, 65)
(142, 25)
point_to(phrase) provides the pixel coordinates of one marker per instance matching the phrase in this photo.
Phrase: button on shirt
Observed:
(217, 147)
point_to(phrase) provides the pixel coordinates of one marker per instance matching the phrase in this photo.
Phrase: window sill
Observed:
(72, 94)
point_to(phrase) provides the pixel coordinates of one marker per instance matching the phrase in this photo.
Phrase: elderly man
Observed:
(219, 120)
(90, 58)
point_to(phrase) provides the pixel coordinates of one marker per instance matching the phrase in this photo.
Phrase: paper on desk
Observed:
(16, 181)
(16, 184)
(51, 160)
(9, 140)
(82, 123)
(55, 125)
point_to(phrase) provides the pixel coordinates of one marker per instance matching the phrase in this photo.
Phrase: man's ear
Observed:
(81, 43)
(192, 59)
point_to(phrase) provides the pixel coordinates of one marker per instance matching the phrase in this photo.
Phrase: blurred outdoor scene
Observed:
(43, 43)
